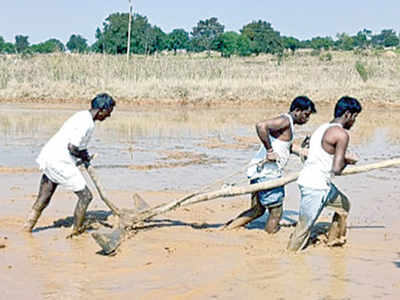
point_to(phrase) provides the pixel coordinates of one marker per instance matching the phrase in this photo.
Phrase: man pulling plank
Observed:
(59, 158)
(277, 136)
(326, 158)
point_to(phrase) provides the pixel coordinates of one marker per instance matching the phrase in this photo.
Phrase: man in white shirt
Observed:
(326, 157)
(276, 136)
(60, 156)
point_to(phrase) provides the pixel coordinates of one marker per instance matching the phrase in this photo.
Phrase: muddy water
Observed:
(163, 154)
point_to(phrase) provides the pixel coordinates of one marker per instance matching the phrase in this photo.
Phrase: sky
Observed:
(41, 20)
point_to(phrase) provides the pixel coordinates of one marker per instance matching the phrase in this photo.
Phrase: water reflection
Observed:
(133, 142)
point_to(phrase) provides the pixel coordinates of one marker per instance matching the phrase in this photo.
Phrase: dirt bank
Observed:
(144, 103)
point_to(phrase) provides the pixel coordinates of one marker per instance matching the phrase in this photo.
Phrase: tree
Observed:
(205, 33)
(243, 46)
(387, 38)
(112, 39)
(362, 39)
(145, 39)
(156, 40)
(21, 43)
(2, 44)
(227, 43)
(5, 47)
(319, 43)
(177, 39)
(291, 43)
(49, 46)
(263, 38)
(77, 43)
(9, 48)
(344, 41)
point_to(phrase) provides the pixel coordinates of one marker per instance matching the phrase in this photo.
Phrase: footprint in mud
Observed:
(3, 242)
(170, 250)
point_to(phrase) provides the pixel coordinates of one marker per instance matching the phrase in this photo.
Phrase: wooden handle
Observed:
(92, 174)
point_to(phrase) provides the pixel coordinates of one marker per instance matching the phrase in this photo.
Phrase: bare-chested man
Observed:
(277, 136)
(326, 158)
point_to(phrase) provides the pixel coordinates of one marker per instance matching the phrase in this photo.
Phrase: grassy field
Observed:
(372, 76)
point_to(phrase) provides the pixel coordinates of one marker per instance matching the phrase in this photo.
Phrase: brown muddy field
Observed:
(163, 154)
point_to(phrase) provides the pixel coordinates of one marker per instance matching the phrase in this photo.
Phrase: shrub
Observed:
(315, 52)
(362, 70)
(325, 57)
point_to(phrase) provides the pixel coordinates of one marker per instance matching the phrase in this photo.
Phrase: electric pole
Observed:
(129, 31)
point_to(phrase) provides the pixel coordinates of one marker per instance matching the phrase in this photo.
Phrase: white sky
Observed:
(44, 19)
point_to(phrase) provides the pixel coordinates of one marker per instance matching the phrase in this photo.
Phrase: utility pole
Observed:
(129, 31)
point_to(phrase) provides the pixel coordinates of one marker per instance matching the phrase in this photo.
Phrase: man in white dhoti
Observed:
(59, 158)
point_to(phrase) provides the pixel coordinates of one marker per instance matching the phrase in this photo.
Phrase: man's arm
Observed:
(339, 162)
(82, 154)
(265, 128)
(296, 149)
(299, 150)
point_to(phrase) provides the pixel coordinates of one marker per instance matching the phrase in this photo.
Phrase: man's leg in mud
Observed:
(338, 230)
(300, 235)
(275, 215)
(46, 191)
(254, 199)
(311, 205)
(342, 226)
(247, 216)
(333, 233)
(84, 199)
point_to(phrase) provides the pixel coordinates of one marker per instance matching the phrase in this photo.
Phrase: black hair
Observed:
(103, 101)
(302, 103)
(347, 103)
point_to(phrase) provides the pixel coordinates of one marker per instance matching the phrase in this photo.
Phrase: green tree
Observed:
(291, 43)
(362, 39)
(49, 46)
(5, 47)
(177, 39)
(243, 46)
(156, 40)
(227, 43)
(113, 38)
(77, 43)
(387, 38)
(205, 34)
(263, 38)
(344, 41)
(319, 43)
(21, 43)
(2, 44)
(145, 39)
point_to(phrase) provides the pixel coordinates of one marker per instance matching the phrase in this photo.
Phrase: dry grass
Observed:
(187, 79)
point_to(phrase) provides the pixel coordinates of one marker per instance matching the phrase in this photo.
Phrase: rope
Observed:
(305, 144)
(223, 179)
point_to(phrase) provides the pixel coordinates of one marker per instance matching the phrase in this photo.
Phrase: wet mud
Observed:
(183, 254)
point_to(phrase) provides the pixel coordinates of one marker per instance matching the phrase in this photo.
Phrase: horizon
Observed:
(61, 20)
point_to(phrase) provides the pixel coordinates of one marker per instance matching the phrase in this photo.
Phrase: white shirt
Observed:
(316, 172)
(77, 130)
(272, 169)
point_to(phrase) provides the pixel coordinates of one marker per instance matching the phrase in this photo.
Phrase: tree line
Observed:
(208, 35)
